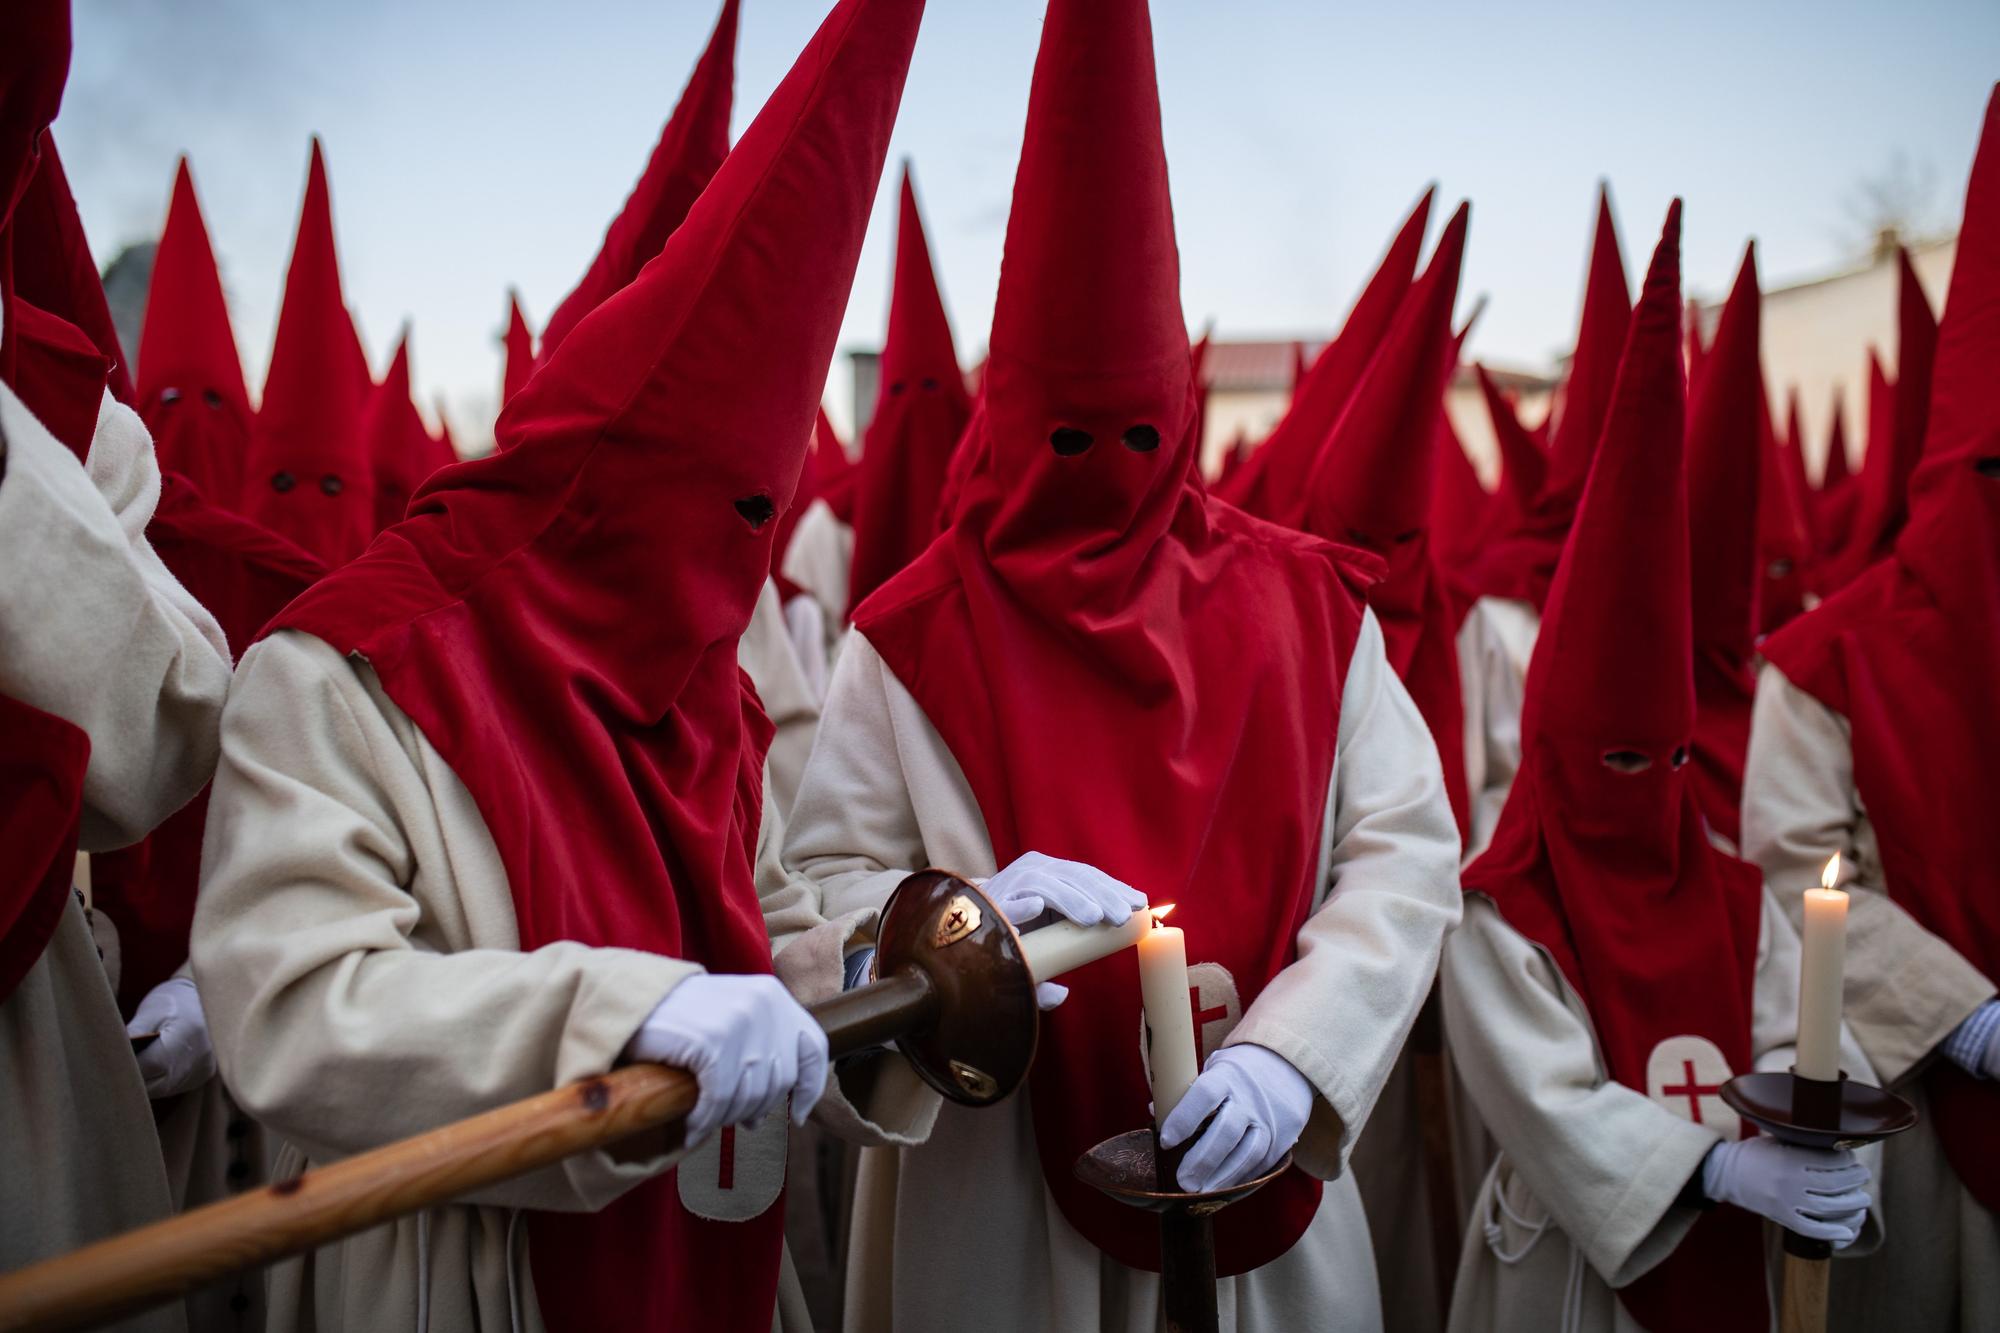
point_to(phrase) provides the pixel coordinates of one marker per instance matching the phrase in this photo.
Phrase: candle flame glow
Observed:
(1831, 875)
(1160, 911)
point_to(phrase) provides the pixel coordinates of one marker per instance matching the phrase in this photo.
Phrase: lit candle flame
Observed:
(1830, 876)
(1160, 911)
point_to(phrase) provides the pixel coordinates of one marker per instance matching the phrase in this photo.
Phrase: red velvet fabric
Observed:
(400, 446)
(1611, 873)
(42, 762)
(1272, 484)
(561, 618)
(53, 268)
(1884, 505)
(1909, 654)
(34, 64)
(1129, 672)
(833, 470)
(1372, 488)
(1520, 561)
(691, 146)
(307, 476)
(1461, 506)
(191, 390)
(1722, 480)
(921, 408)
(519, 346)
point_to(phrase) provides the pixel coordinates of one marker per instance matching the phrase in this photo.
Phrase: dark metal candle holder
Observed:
(1814, 1113)
(1132, 1169)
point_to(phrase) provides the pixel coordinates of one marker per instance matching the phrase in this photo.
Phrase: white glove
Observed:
(1034, 883)
(1974, 1045)
(1817, 1192)
(746, 1041)
(1261, 1105)
(182, 1057)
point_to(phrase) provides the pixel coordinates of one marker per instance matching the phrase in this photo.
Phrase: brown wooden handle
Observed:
(1802, 1309)
(156, 1263)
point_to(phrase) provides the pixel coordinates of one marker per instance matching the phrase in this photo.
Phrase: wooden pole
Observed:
(1803, 1305)
(156, 1263)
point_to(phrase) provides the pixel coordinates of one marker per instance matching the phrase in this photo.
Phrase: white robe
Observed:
(356, 946)
(1905, 991)
(1494, 645)
(96, 631)
(771, 660)
(967, 1214)
(821, 561)
(1583, 1197)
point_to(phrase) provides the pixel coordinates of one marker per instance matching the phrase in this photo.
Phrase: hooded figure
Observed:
(561, 770)
(1272, 482)
(399, 444)
(518, 346)
(921, 408)
(1883, 504)
(191, 391)
(111, 685)
(308, 476)
(1098, 661)
(691, 146)
(1723, 463)
(1613, 969)
(1876, 731)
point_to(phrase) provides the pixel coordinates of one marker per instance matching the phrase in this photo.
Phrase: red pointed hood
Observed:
(1908, 654)
(1723, 463)
(1884, 503)
(1373, 488)
(1611, 617)
(34, 64)
(1600, 856)
(53, 268)
(1461, 506)
(561, 618)
(1524, 468)
(1600, 335)
(519, 350)
(191, 389)
(400, 448)
(921, 408)
(447, 444)
(1526, 541)
(1372, 484)
(307, 476)
(1836, 473)
(691, 147)
(1784, 544)
(1273, 486)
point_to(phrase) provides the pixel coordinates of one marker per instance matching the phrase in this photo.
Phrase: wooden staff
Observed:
(947, 987)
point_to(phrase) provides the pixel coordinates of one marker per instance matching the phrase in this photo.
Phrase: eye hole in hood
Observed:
(1627, 761)
(757, 510)
(1069, 441)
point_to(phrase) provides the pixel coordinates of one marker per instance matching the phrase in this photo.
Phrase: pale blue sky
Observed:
(475, 144)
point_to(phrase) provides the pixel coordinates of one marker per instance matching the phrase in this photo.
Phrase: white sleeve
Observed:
(96, 630)
(1605, 1160)
(342, 1014)
(1371, 949)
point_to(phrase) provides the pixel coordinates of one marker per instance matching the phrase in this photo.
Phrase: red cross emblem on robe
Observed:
(737, 1172)
(1685, 1074)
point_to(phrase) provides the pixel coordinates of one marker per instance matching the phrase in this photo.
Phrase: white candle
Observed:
(1064, 946)
(1823, 959)
(1163, 987)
